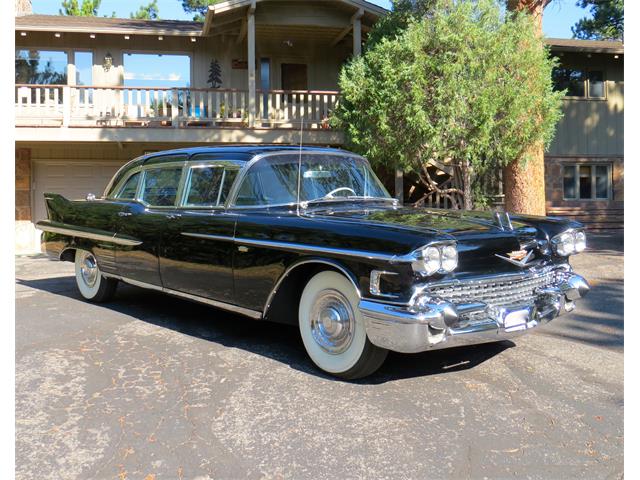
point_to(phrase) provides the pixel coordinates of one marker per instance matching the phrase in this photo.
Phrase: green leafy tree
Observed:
(395, 22)
(463, 86)
(607, 22)
(198, 8)
(88, 8)
(147, 12)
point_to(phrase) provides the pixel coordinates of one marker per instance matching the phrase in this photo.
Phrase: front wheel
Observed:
(332, 328)
(91, 284)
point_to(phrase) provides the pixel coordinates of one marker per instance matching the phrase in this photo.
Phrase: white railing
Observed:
(291, 107)
(178, 107)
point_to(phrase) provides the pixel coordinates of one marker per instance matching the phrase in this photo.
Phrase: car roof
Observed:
(236, 152)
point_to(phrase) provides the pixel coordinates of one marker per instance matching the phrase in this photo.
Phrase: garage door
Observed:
(73, 180)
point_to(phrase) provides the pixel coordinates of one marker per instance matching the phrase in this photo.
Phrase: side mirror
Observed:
(90, 197)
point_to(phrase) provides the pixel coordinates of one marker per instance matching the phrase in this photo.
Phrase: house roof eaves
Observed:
(587, 46)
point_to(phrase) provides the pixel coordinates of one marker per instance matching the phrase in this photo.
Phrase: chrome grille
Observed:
(495, 291)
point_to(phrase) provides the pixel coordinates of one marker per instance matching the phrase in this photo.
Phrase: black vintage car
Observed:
(309, 236)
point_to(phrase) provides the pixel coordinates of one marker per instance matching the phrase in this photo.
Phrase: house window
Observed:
(587, 181)
(43, 67)
(157, 70)
(578, 82)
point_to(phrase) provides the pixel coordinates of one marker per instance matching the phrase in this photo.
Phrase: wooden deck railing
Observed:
(66, 105)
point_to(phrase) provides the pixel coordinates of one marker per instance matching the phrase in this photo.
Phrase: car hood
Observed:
(429, 221)
(478, 236)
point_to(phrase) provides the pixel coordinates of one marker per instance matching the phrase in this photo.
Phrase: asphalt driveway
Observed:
(153, 387)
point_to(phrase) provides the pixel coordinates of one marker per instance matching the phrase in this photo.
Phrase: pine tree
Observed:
(215, 74)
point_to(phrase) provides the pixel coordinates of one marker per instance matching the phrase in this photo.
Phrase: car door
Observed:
(196, 256)
(147, 216)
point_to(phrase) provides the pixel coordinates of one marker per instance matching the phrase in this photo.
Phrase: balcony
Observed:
(105, 113)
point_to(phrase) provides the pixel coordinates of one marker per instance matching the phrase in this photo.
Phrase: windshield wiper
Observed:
(324, 199)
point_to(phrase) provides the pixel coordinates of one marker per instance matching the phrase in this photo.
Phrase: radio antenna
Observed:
(299, 169)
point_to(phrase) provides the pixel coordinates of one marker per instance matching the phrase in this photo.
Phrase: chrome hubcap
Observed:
(89, 270)
(332, 321)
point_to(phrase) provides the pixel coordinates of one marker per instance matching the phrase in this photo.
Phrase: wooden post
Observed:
(175, 108)
(66, 105)
(251, 62)
(357, 32)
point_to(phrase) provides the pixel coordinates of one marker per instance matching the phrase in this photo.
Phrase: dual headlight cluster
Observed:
(436, 258)
(569, 242)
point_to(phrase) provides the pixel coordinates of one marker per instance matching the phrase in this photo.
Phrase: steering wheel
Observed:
(331, 193)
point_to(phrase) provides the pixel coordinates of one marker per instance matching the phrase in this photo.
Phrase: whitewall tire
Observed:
(332, 328)
(91, 284)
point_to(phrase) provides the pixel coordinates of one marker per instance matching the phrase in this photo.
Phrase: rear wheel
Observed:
(332, 328)
(91, 284)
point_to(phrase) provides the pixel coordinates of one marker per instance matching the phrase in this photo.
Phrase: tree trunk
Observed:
(466, 183)
(399, 186)
(524, 184)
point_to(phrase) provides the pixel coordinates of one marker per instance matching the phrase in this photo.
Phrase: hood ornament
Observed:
(517, 257)
(502, 220)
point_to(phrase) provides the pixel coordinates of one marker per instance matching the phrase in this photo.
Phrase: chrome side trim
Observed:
(295, 265)
(206, 236)
(299, 247)
(65, 229)
(214, 303)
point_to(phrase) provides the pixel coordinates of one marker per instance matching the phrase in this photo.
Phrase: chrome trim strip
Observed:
(298, 247)
(206, 236)
(65, 229)
(214, 303)
(317, 249)
(274, 290)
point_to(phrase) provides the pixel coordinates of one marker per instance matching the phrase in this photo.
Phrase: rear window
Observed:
(128, 190)
(161, 186)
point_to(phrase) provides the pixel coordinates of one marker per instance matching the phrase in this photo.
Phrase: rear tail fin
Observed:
(57, 206)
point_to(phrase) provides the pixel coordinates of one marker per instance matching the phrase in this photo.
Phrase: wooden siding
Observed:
(592, 127)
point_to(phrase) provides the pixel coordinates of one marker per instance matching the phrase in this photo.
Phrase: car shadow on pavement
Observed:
(276, 341)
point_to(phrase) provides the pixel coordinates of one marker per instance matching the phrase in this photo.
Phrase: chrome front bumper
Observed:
(429, 323)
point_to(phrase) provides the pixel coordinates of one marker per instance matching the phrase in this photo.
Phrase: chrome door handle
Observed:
(124, 214)
(173, 216)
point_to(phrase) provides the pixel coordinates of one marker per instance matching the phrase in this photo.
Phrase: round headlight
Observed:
(449, 258)
(580, 241)
(564, 243)
(431, 260)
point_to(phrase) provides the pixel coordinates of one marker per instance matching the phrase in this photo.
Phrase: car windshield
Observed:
(273, 180)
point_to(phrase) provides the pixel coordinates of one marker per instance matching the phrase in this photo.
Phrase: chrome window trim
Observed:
(118, 187)
(157, 166)
(214, 303)
(233, 193)
(191, 165)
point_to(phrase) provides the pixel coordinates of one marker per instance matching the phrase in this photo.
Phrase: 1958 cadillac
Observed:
(309, 236)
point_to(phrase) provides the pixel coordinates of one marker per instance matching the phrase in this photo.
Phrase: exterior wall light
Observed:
(93, 35)
(126, 37)
(160, 37)
(193, 39)
(24, 34)
(57, 35)
(108, 62)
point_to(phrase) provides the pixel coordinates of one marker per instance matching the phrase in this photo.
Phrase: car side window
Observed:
(130, 187)
(160, 186)
(209, 186)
